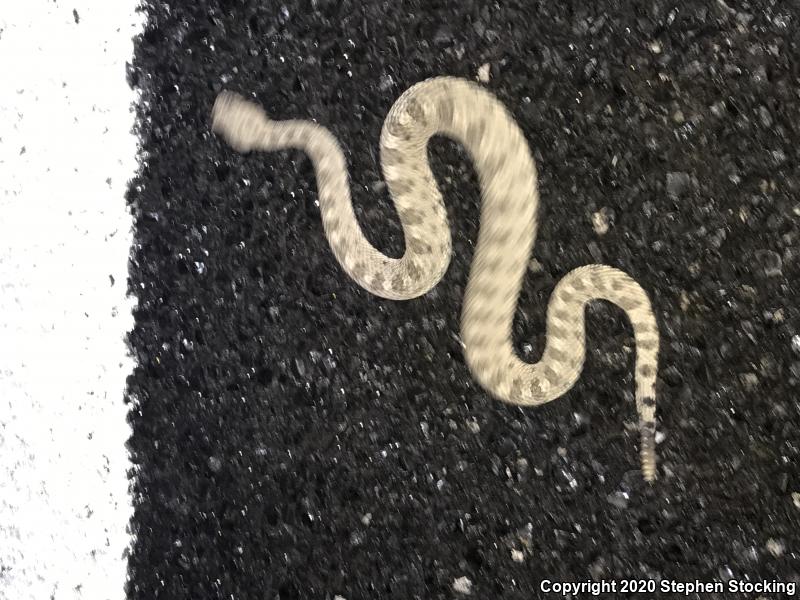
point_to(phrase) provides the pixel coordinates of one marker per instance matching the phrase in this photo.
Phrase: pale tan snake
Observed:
(467, 113)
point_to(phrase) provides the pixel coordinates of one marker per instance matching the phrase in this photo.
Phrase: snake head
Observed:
(240, 122)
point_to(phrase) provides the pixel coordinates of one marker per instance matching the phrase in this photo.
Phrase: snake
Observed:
(475, 118)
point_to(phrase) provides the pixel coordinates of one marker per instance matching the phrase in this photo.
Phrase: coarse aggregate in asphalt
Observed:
(296, 437)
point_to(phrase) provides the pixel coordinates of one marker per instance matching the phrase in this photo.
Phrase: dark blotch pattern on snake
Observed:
(467, 113)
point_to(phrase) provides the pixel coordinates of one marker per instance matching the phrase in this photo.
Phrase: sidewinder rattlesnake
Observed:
(467, 113)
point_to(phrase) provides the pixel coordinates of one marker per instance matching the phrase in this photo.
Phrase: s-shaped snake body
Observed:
(467, 113)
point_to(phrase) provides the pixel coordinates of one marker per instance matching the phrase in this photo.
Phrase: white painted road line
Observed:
(66, 154)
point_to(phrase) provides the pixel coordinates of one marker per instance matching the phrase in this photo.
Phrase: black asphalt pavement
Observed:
(296, 437)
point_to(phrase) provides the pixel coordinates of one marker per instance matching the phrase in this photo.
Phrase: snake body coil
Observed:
(467, 113)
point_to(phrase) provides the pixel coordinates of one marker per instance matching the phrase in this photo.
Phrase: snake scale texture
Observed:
(467, 113)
